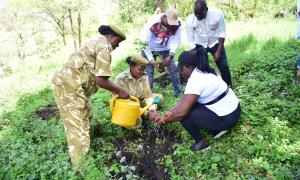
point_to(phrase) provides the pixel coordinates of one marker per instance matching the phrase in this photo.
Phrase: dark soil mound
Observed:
(47, 113)
(165, 79)
(155, 144)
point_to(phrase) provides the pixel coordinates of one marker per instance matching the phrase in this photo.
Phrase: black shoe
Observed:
(201, 145)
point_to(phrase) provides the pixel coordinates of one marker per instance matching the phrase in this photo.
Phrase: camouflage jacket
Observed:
(79, 73)
(139, 88)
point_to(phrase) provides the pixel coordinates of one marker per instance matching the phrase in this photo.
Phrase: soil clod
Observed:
(153, 144)
(165, 79)
(47, 113)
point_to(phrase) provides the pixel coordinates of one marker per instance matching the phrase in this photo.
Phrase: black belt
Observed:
(218, 98)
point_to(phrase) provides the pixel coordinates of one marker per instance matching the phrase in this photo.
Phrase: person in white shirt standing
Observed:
(207, 102)
(163, 36)
(206, 28)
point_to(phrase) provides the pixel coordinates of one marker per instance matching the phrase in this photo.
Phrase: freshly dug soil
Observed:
(47, 113)
(165, 79)
(155, 144)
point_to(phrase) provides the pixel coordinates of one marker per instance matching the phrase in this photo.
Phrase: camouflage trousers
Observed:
(76, 112)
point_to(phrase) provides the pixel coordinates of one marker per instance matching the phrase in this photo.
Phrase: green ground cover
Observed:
(264, 145)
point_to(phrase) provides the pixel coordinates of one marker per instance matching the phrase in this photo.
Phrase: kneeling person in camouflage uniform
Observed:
(79, 78)
(136, 83)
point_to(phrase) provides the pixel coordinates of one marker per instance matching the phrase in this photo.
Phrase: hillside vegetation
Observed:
(264, 144)
(37, 37)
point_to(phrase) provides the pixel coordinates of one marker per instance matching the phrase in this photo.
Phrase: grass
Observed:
(262, 29)
(264, 145)
(35, 72)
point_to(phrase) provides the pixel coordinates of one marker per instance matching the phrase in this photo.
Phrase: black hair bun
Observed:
(103, 29)
(128, 60)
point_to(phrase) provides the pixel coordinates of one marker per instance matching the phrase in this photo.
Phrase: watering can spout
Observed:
(142, 110)
(156, 100)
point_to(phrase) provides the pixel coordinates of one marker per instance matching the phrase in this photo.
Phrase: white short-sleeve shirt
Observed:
(207, 31)
(208, 87)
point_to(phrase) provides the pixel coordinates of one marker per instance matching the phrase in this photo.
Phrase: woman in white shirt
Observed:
(207, 101)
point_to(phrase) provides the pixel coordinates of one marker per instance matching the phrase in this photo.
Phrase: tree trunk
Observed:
(63, 38)
(79, 28)
(20, 46)
(160, 4)
(72, 28)
(62, 31)
(59, 24)
(175, 4)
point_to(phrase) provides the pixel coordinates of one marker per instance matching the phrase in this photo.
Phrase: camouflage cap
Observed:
(118, 31)
(139, 59)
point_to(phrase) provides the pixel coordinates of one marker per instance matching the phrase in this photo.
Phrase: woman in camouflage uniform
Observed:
(136, 83)
(86, 70)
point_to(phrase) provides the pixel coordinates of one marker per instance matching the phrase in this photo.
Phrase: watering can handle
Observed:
(135, 98)
(113, 99)
(144, 109)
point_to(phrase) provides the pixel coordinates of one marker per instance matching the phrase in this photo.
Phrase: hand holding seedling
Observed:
(153, 116)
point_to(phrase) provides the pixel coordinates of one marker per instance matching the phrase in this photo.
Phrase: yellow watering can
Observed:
(125, 112)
